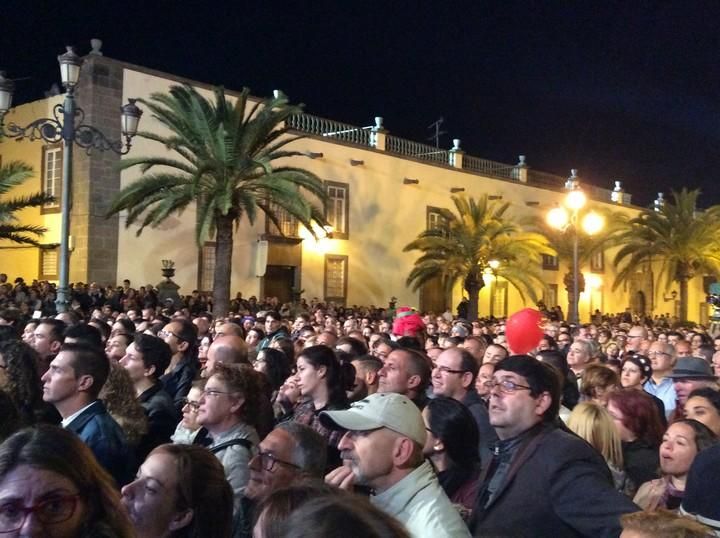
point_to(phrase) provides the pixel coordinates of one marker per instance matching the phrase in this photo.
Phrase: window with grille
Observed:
(550, 263)
(207, 267)
(337, 209)
(49, 263)
(436, 218)
(288, 225)
(52, 164)
(336, 278)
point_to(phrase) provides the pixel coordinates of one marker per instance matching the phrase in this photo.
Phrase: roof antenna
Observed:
(436, 136)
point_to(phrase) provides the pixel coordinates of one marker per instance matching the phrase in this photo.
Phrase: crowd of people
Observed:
(124, 418)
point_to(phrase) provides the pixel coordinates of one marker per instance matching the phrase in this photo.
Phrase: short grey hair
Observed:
(310, 450)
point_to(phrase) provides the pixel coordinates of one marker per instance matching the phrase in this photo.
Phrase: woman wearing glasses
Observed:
(52, 486)
(189, 431)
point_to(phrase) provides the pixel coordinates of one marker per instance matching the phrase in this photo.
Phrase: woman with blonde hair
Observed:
(592, 422)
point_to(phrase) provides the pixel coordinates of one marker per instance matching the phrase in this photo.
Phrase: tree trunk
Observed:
(683, 299)
(473, 284)
(474, 296)
(223, 266)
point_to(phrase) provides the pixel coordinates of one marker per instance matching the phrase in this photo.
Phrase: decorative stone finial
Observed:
(96, 45)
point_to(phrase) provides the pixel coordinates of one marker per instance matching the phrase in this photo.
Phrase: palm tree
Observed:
(224, 161)
(685, 242)
(463, 248)
(13, 174)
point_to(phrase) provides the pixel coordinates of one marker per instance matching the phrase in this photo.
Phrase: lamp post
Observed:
(67, 126)
(566, 219)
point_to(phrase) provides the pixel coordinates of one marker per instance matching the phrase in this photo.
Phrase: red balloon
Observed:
(522, 330)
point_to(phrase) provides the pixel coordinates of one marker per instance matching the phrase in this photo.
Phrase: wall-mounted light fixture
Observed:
(356, 162)
(457, 189)
(532, 204)
(314, 155)
(410, 181)
(494, 197)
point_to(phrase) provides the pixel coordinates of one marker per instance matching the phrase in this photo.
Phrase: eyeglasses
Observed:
(192, 403)
(54, 510)
(164, 334)
(446, 370)
(268, 461)
(506, 386)
(654, 353)
(215, 393)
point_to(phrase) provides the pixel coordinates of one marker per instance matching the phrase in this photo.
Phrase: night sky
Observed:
(622, 90)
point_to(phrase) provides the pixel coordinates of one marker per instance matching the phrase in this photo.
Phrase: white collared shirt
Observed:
(66, 421)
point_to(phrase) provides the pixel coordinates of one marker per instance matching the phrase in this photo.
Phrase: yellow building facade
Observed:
(384, 190)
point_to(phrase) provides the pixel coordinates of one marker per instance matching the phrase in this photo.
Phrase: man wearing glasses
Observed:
(454, 376)
(662, 359)
(635, 337)
(542, 479)
(291, 452)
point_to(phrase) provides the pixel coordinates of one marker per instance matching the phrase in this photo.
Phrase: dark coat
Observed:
(557, 486)
(178, 382)
(99, 431)
(479, 411)
(162, 419)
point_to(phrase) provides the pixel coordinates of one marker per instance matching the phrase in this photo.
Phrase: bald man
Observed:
(229, 349)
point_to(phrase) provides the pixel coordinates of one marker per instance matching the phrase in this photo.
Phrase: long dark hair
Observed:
(453, 424)
(277, 366)
(62, 452)
(319, 356)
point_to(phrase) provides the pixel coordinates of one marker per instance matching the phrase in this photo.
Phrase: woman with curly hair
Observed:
(19, 378)
(118, 395)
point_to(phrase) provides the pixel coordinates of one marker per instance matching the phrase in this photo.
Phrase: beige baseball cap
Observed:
(380, 410)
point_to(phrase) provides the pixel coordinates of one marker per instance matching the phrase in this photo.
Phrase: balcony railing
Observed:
(401, 146)
(367, 137)
(490, 168)
(331, 129)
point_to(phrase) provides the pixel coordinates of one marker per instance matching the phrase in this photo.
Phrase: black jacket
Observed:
(99, 431)
(479, 411)
(557, 486)
(162, 419)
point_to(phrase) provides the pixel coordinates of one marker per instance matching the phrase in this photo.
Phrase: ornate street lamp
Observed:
(67, 126)
(566, 218)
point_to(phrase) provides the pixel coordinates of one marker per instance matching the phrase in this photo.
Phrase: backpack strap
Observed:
(232, 442)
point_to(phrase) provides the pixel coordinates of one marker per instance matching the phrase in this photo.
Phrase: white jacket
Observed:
(419, 502)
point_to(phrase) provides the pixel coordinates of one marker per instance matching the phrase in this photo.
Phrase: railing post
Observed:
(378, 134)
(521, 170)
(456, 154)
